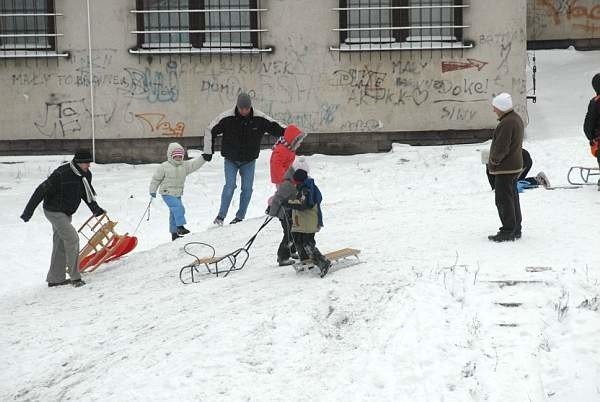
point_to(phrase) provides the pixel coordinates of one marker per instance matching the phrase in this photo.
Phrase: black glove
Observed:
(25, 216)
(98, 211)
(207, 157)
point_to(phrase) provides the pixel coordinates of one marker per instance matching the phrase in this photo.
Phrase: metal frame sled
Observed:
(233, 262)
(584, 175)
(336, 257)
(103, 243)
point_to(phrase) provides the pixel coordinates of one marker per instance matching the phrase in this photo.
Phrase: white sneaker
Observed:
(543, 179)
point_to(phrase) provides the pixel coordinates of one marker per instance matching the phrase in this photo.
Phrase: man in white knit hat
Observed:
(506, 163)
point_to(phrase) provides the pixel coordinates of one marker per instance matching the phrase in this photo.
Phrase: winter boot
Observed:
(77, 283)
(285, 262)
(542, 179)
(219, 220)
(324, 267)
(235, 220)
(175, 236)
(65, 282)
(181, 230)
(502, 236)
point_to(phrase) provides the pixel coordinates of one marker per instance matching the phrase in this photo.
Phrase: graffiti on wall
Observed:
(455, 65)
(580, 14)
(152, 85)
(157, 123)
(68, 117)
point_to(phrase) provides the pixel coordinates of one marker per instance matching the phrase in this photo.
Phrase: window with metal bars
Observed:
(198, 26)
(400, 25)
(28, 28)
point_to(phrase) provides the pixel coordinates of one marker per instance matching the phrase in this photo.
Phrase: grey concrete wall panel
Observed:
(151, 99)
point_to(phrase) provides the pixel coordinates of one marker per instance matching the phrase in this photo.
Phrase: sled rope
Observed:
(146, 211)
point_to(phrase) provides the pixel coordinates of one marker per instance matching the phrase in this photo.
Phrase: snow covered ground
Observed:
(435, 312)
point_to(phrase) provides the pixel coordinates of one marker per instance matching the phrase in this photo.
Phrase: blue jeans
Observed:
(246, 170)
(176, 212)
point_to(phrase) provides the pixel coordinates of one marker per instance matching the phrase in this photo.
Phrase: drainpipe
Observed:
(91, 78)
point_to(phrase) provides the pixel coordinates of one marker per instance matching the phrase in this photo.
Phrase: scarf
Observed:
(89, 191)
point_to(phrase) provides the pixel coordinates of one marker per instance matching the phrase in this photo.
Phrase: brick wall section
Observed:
(153, 150)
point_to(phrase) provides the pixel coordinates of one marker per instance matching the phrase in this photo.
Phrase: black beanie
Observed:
(300, 175)
(596, 83)
(82, 156)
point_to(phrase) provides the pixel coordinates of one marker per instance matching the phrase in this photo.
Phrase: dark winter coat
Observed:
(285, 191)
(62, 191)
(306, 214)
(591, 124)
(506, 156)
(242, 135)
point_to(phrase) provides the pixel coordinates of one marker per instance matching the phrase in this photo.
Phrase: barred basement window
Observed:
(198, 26)
(28, 29)
(375, 25)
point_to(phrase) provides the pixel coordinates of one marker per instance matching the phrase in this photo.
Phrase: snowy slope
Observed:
(435, 312)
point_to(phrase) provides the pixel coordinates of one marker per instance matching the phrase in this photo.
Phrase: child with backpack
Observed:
(307, 219)
(170, 177)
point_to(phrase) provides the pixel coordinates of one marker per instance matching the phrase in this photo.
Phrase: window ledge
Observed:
(210, 50)
(31, 54)
(378, 47)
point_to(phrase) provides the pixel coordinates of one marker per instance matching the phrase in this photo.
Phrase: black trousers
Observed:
(287, 246)
(507, 202)
(307, 248)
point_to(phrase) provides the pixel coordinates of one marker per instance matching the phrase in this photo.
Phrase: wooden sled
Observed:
(584, 174)
(103, 243)
(336, 257)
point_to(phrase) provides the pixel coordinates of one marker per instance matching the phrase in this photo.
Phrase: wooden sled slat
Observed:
(342, 253)
(333, 256)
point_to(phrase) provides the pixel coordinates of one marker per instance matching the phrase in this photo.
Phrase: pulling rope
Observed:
(147, 211)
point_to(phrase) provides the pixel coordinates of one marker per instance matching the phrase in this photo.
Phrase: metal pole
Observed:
(91, 77)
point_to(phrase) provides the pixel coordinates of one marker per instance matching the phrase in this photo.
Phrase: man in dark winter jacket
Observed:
(62, 193)
(506, 163)
(591, 124)
(242, 129)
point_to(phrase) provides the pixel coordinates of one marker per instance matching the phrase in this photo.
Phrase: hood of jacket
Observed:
(293, 136)
(173, 146)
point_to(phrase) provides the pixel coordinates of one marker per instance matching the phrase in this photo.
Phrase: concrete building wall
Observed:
(364, 100)
(570, 22)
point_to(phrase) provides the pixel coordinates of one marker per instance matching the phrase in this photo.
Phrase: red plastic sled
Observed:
(118, 246)
(103, 243)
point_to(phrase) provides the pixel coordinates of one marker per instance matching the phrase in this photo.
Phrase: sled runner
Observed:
(224, 264)
(337, 258)
(103, 243)
(584, 175)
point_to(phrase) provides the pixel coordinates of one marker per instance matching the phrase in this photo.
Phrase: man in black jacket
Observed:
(62, 193)
(591, 124)
(242, 129)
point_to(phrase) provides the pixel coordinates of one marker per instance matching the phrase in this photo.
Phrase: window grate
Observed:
(392, 25)
(28, 29)
(198, 27)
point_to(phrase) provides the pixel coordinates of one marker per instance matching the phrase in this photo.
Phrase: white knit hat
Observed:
(503, 102)
(301, 163)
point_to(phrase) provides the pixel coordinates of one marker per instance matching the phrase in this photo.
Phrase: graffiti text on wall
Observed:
(67, 117)
(152, 85)
(158, 124)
